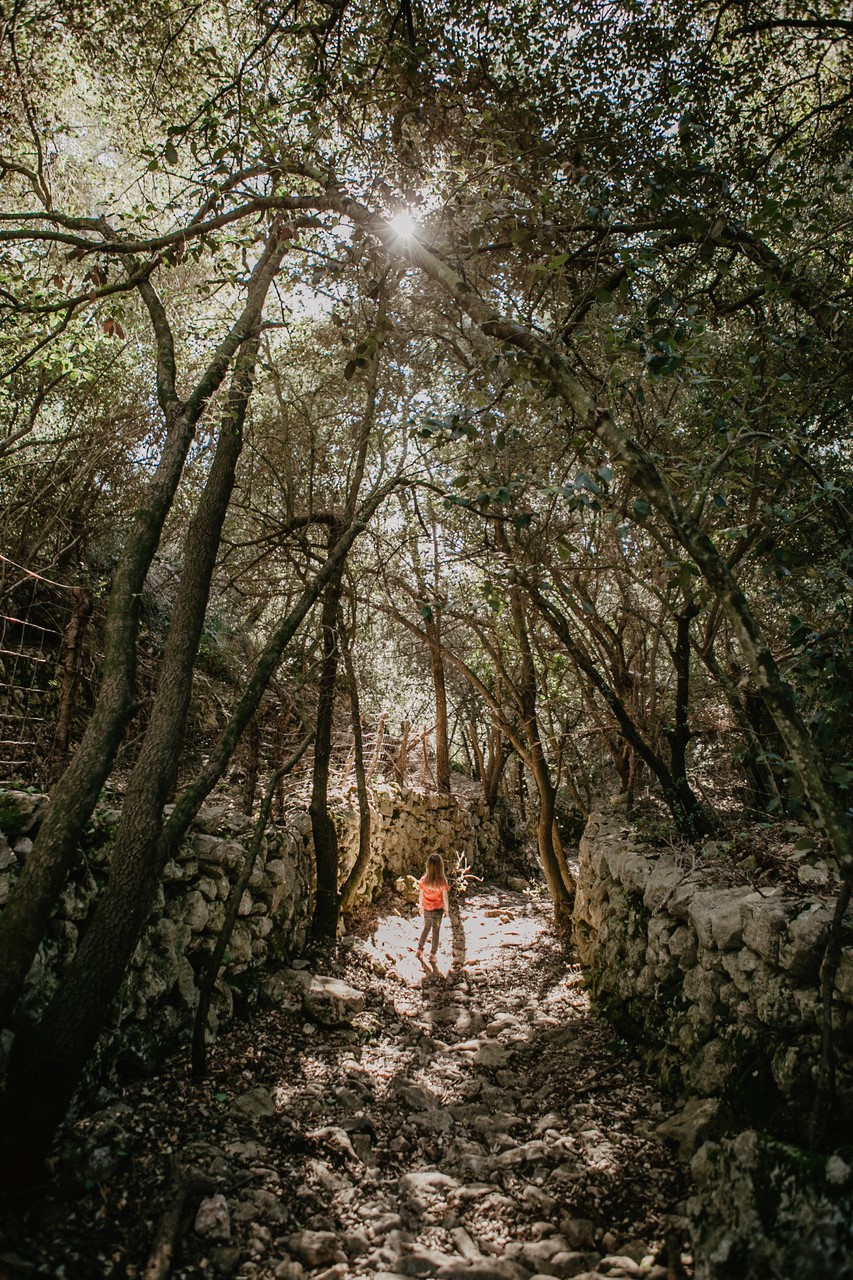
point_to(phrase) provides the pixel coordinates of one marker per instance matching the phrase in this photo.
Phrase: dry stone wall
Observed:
(160, 993)
(407, 825)
(722, 981)
(717, 986)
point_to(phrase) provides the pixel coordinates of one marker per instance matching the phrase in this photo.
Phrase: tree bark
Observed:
(327, 901)
(56, 1052)
(695, 821)
(560, 881)
(442, 750)
(350, 888)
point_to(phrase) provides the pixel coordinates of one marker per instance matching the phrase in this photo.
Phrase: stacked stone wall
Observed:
(407, 825)
(720, 982)
(717, 987)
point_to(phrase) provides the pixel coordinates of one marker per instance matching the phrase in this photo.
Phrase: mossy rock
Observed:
(20, 812)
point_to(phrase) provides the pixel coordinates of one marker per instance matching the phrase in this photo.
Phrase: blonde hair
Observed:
(434, 873)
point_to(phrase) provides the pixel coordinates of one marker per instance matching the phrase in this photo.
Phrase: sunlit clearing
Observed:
(403, 225)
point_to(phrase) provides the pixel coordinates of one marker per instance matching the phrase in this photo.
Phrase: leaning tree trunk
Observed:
(693, 820)
(27, 912)
(46, 1063)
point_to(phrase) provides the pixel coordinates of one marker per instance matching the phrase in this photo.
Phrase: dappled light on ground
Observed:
(477, 934)
(474, 1121)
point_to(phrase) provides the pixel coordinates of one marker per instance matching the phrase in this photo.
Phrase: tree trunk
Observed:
(497, 756)
(351, 885)
(478, 765)
(442, 751)
(559, 878)
(521, 789)
(694, 822)
(327, 902)
(401, 759)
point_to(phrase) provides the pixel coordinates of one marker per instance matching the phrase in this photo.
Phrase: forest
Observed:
(452, 396)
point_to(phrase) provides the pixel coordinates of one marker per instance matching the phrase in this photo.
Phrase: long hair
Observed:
(435, 870)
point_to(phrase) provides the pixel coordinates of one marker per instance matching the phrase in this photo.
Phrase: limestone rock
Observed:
(256, 1102)
(764, 921)
(315, 1248)
(717, 918)
(407, 888)
(228, 854)
(332, 1002)
(20, 812)
(579, 1232)
(210, 818)
(518, 883)
(420, 1186)
(289, 1270)
(213, 1219)
(801, 949)
(691, 1126)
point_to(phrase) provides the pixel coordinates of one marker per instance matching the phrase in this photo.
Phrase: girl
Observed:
(432, 901)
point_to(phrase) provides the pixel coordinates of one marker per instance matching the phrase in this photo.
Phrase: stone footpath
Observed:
(471, 1121)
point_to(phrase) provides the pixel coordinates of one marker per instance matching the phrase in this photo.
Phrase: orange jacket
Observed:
(432, 895)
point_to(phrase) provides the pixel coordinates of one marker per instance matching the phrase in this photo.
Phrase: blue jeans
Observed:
(432, 920)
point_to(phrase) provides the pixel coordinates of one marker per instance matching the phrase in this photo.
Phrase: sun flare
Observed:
(404, 225)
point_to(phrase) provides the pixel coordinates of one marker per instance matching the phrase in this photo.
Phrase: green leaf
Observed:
(641, 507)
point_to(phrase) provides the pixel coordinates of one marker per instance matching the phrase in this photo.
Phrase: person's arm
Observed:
(446, 902)
(420, 899)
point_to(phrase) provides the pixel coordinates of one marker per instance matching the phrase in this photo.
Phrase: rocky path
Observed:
(475, 1122)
